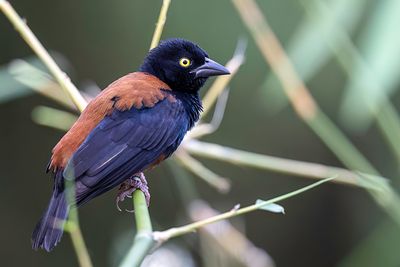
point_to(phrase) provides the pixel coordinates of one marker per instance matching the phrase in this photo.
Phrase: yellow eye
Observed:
(184, 62)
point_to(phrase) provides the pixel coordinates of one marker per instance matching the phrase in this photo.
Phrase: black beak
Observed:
(210, 68)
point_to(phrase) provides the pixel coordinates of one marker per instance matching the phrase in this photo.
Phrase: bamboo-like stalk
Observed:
(77, 99)
(162, 18)
(26, 33)
(265, 162)
(143, 239)
(221, 82)
(177, 231)
(73, 228)
(220, 183)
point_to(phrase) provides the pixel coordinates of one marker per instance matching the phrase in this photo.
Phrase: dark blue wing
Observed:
(125, 143)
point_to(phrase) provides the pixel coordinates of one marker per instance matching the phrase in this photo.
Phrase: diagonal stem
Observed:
(143, 239)
(221, 82)
(177, 231)
(70, 89)
(160, 23)
(185, 160)
(26, 33)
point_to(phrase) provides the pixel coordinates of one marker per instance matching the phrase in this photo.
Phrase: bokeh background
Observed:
(97, 41)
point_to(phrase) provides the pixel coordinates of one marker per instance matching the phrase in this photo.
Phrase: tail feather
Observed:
(49, 229)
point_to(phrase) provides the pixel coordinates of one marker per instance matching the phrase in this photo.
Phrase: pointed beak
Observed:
(210, 68)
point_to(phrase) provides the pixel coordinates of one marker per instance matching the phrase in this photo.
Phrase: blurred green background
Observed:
(99, 41)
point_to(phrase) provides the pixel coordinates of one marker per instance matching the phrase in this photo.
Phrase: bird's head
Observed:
(181, 64)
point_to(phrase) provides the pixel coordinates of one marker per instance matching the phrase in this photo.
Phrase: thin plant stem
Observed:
(339, 144)
(220, 183)
(143, 241)
(80, 246)
(202, 129)
(26, 33)
(77, 99)
(276, 164)
(388, 120)
(221, 82)
(160, 23)
(72, 226)
(177, 231)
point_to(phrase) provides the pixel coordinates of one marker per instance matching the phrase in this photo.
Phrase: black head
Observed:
(181, 64)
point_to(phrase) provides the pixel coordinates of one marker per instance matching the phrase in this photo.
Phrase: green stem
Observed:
(221, 82)
(72, 224)
(177, 231)
(70, 89)
(185, 160)
(144, 240)
(338, 143)
(26, 33)
(142, 217)
(79, 244)
(280, 165)
(388, 122)
(162, 18)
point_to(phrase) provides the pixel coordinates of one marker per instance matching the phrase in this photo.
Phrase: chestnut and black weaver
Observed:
(135, 123)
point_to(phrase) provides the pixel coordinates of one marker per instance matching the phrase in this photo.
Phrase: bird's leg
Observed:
(137, 181)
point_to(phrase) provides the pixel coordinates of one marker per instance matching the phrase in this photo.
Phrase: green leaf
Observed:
(261, 204)
(275, 208)
(54, 118)
(11, 88)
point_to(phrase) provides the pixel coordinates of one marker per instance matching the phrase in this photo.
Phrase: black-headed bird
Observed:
(135, 123)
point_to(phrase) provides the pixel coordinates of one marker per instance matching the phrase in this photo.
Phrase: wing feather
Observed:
(125, 143)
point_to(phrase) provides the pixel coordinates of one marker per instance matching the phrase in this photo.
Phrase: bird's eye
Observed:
(184, 62)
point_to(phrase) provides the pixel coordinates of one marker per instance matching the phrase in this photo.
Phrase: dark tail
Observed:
(49, 229)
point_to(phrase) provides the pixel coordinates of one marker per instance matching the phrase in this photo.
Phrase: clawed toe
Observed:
(126, 189)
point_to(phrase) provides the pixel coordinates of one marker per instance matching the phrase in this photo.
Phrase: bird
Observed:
(135, 123)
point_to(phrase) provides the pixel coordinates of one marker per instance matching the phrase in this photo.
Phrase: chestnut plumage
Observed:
(135, 123)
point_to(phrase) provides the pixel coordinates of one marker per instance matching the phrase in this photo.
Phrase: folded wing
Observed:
(123, 144)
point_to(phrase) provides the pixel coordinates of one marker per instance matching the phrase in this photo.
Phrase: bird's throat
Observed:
(192, 104)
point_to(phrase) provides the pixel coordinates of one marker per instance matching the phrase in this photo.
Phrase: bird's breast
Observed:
(192, 106)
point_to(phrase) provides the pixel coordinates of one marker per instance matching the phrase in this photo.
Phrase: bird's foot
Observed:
(137, 181)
